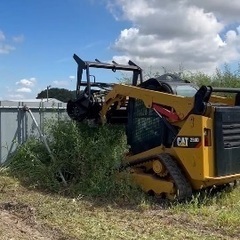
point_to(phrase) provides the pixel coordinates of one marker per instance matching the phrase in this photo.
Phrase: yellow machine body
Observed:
(193, 148)
(181, 137)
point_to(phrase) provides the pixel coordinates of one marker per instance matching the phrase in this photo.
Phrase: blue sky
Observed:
(38, 38)
(45, 35)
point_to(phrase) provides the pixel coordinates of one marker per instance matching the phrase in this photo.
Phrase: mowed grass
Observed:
(214, 216)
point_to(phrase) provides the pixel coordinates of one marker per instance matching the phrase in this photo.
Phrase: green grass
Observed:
(216, 217)
(220, 211)
(95, 204)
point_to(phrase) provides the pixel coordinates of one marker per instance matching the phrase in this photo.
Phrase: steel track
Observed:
(183, 187)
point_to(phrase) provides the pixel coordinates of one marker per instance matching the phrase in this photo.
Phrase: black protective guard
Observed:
(227, 140)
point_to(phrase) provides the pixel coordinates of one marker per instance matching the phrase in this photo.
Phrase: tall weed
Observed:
(86, 156)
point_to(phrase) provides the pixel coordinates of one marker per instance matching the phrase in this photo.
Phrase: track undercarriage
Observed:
(160, 175)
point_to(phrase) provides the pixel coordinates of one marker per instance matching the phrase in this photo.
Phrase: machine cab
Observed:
(145, 129)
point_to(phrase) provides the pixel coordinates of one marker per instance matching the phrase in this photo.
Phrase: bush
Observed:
(87, 156)
(221, 78)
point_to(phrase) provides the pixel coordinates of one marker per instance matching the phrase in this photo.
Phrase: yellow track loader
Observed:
(181, 137)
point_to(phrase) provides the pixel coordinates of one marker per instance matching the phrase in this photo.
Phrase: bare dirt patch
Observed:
(18, 221)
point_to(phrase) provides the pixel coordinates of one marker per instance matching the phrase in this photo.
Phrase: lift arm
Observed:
(181, 105)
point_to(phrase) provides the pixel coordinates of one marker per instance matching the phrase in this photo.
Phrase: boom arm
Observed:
(181, 105)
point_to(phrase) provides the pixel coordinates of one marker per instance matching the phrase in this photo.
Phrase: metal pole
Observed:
(25, 108)
(47, 91)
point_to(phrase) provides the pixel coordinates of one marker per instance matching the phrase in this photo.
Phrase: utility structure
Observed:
(48, 87)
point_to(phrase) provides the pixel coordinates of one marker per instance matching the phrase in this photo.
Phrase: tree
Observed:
(60, 94)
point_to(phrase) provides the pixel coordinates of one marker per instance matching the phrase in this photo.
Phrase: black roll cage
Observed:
(86, 65)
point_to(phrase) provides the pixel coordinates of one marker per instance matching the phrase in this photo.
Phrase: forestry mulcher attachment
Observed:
(181, 137)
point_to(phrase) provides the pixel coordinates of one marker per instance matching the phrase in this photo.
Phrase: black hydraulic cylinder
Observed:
(225, 90)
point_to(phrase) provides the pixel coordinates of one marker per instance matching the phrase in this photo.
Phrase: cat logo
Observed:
(187, 141)
(182, 141)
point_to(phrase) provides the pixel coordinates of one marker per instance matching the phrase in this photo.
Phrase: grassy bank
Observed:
(215, 217)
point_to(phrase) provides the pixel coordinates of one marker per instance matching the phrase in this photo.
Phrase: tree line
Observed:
(221, 78)
(60, 94)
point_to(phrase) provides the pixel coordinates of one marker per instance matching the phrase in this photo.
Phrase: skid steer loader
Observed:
(181, 137)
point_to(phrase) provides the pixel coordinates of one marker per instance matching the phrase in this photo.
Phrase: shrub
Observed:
(87, 157)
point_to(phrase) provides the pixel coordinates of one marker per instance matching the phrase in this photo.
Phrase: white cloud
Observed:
(5, 48)
(2, 36)
(18, 39)
(172, 33)
(26, 85)
(5, 45)
(24, 90)
(222, 9)
(29, 83)
(71, 77)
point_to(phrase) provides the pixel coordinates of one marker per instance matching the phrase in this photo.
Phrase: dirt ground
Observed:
(17, 222)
